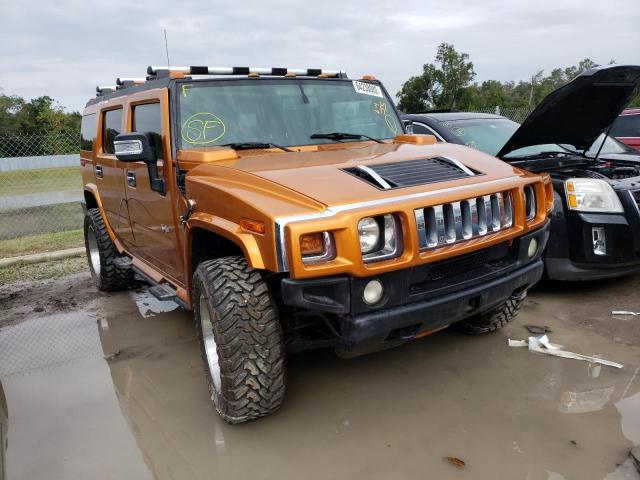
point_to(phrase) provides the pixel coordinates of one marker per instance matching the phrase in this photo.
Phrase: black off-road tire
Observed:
(249, 346)
(492, 320)
(111, 271)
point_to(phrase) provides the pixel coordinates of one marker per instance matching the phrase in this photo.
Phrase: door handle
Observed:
(131, 178)
(99, 172)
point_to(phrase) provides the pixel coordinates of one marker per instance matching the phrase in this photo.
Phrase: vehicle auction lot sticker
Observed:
(367, 88)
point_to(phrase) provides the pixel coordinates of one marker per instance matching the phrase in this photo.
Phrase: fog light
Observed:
(533, 248)
(599, 240)
(372, 292)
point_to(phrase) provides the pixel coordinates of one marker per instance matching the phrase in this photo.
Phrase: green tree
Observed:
(37, 127)
(447, 84)
(486, 95)
(455, 73)
(419, 93)
(9, 105)
(441, 85)
(38, 116)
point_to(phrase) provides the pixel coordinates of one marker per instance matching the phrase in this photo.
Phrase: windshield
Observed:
(611, 145)
(284, 112)
(486, 134)
(490, 135)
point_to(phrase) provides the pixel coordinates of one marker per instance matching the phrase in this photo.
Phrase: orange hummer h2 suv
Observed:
(291, 210)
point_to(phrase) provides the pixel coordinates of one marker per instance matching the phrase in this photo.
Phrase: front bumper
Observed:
(421, 299)
(570, 255)
(564, 269)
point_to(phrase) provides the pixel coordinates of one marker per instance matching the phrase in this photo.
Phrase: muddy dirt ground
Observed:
(111, 386)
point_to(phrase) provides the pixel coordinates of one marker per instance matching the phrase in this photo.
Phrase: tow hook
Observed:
(184, 218)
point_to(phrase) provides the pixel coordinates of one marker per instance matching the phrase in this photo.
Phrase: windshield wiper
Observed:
(339, 136)
(550, 154)
(252, 145)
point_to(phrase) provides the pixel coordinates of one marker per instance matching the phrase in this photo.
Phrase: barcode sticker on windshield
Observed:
(367, 88)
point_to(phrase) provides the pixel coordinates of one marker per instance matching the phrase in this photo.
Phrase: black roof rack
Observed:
(165, 72)
(105, 89)
(129, 82)
(159, 72)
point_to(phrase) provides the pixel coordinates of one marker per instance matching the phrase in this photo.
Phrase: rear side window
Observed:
(88, 132)
(417, 128)
(111, 125)
(626, 126)
(147, 119)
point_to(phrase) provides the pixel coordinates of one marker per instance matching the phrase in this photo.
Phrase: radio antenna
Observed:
(166, 47)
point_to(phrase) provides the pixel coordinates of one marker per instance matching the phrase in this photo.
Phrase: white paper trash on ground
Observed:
(624, 315)
(543, 345)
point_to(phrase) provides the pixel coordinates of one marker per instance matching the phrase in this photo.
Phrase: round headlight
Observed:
(369, 233)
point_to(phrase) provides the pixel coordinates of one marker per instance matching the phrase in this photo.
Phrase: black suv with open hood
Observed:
(595, 229)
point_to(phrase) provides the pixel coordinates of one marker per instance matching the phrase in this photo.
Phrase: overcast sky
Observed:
(64, 48)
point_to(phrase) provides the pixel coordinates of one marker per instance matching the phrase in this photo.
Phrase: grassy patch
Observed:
(22, 182)
(42, 271)
(46, 242)
(24, 222)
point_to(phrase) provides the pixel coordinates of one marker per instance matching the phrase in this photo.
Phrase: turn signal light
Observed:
(573, 201)
(312, 244)
(252, 226)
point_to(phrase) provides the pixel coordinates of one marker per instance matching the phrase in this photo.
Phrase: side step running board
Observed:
(162, 291)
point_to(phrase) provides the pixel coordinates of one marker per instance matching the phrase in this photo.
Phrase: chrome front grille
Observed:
(530, 202)
(455, 222)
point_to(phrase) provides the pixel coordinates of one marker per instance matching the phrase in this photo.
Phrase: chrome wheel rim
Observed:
(92, 250)
(210, 345)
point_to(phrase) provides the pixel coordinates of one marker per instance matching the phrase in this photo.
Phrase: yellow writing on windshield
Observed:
(203, 128)
(185, 88)
(382, 109)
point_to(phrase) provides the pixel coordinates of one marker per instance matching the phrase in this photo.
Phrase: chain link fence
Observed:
(517, 114)
(40, 185)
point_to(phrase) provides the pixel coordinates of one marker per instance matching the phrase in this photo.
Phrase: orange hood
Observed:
(320, 174)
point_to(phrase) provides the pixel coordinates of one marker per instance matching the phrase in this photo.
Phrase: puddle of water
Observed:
(629, 409)
(625, 471)
(584, 402)
(64, 420)
(148, 305)
(394, 414)
(390, 415)
(555, 476)
(4, 427)
(45, 342)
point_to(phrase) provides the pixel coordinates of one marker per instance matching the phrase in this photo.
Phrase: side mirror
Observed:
(137, 147)
(408, 126)
(134, 147)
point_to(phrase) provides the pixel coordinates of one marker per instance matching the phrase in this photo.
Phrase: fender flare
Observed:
(93, 190)
(229, 230)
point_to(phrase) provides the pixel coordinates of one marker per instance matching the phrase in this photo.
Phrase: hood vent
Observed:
(412, 172)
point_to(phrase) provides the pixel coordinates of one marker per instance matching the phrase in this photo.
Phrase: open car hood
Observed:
(579, 111)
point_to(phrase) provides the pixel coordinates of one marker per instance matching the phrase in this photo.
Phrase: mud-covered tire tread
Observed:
(492, 320)
(248, 336)
(115, 270)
